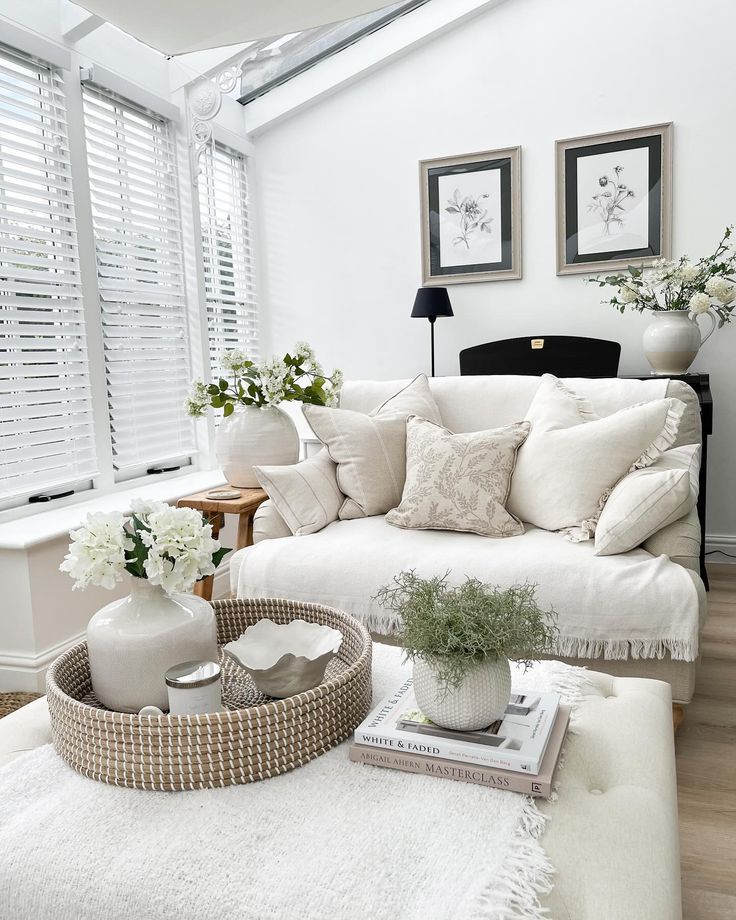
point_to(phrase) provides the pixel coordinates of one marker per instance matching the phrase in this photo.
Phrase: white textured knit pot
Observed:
(255, 437)
(672, 339)
(133, 641)
(480, 698)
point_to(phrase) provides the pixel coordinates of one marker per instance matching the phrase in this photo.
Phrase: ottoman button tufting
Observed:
(595, 791)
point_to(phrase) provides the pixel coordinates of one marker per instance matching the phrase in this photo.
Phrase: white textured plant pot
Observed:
(672, 339)
(255, 437)
(133, 641)
(481, 698)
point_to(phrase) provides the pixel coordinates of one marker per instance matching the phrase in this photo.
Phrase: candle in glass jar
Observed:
(194, 688)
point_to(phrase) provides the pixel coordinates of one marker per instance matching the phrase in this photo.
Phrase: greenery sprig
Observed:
(455, 627)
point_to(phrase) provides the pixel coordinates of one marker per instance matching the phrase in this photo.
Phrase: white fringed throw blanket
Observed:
(332, 839)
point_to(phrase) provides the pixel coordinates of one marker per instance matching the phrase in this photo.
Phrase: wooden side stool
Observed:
(214, 509)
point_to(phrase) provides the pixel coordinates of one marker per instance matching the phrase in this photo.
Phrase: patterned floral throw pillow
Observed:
(459, 481)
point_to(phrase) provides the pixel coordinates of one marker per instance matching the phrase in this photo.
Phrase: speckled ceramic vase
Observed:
(481, 698)
(133, 641)
(255, 437)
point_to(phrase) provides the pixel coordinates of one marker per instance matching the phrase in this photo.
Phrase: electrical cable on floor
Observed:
(720, 553)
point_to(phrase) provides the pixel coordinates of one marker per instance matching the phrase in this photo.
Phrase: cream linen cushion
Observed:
(647, 500)
(370, 450)
(572, 459)
(459, 481)
(306, 495)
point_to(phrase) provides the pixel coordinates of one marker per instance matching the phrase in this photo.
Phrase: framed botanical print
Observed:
(471, 217)
(614, 199)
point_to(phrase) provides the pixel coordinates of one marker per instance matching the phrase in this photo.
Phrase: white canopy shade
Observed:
(180, 26)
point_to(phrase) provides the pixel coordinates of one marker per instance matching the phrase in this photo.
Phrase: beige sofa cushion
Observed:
(571, 459)
(459, 481)
(646, 500)
(370, 450)
(306, 494)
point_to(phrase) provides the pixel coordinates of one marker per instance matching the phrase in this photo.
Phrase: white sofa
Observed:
(608, 606)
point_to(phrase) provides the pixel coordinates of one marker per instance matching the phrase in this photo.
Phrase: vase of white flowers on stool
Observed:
(133, 641)
(254, 431)
(676, 293)
(460, 639)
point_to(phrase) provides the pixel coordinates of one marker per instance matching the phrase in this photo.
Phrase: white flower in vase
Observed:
(700, 303)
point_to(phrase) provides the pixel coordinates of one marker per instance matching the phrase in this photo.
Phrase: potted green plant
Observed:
(460, 639)
(254, 430)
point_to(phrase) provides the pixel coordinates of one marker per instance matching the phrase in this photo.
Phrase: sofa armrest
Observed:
(679, 540)
(268, 523)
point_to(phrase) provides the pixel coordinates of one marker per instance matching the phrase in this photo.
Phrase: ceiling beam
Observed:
(76, 23)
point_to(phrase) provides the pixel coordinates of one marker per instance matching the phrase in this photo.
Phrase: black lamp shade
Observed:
(431, 302)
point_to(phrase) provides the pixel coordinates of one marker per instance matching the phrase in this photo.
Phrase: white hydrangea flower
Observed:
(688, 272)
(627, 294)
(180, 548)
(97, 552)
(720, 288)
(142, 508)
(700, 303)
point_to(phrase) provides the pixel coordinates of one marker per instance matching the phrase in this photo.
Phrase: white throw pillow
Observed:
(647, 500)
(459, 481)
(572, 459)
(370, 450)
(306, 495)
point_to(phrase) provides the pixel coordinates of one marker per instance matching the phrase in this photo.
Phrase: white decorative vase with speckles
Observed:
(481, 697)
(255, 437)
(132, 642)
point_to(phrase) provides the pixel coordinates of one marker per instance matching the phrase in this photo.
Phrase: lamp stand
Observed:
(431, 326)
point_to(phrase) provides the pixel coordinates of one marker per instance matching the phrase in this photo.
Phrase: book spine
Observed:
(463, 773)
(438, 747)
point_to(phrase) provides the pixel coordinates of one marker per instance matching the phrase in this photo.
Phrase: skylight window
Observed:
(275, 60)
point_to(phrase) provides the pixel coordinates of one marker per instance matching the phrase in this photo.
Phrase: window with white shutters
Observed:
(227, 254)
(46, 430)
(135, 211)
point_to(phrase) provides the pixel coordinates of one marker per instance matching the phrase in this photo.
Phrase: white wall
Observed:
(338, 200)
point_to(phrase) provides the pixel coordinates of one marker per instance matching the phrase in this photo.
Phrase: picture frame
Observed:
(471, 217)
(614, 199)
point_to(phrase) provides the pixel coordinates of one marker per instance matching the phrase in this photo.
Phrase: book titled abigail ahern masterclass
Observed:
(540, 784)
(517, 742)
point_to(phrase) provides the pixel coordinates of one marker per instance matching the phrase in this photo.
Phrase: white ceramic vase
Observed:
(480, 699)
(672, 340)
(255, 437)
(133, 641)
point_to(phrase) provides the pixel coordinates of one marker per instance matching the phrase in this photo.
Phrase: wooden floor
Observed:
(705, 746)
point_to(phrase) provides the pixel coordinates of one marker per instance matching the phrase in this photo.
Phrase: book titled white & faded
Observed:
(516, 742)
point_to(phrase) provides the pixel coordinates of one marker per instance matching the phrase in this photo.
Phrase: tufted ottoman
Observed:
(612, 834)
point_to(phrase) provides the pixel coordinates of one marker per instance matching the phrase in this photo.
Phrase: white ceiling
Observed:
(179, 26)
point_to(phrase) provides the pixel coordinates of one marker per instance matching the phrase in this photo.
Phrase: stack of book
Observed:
(520, 752)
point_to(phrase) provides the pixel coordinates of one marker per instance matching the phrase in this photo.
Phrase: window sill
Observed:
(49, 525)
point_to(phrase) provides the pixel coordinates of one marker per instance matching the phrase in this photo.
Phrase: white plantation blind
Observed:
(232, 317)
(46, 430)
(135, 211)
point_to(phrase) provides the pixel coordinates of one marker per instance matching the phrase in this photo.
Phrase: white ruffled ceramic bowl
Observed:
(285, 659)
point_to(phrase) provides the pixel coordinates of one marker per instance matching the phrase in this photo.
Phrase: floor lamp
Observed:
(430, 303)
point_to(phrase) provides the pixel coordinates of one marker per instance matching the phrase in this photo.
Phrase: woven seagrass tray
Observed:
(254, 738)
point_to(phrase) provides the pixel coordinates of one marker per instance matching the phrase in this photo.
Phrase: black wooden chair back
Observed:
(561, 355)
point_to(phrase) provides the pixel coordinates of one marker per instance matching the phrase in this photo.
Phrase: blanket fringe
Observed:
(623, 649)
(514, 891)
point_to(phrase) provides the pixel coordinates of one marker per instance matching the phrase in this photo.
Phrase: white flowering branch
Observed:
(296, 377)
(708, 284)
